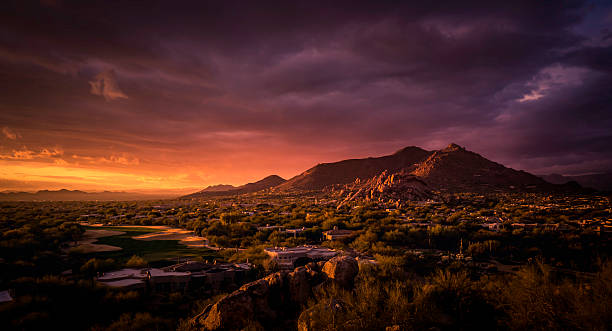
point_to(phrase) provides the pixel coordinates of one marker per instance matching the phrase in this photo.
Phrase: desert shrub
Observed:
(136, 262)
(535, 300)
(139, 321)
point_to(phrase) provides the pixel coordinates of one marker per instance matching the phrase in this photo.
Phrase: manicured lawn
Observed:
(131, 231)
(152, 251)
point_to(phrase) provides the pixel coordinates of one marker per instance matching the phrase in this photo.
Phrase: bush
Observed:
(136, 262)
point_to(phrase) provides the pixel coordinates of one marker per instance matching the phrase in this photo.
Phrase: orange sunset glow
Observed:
(92, 100)
(279, 165)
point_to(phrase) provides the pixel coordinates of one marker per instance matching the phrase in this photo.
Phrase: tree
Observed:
(94, 266)
(136, 262)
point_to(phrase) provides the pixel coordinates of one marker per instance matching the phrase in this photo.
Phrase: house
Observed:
(268, 227)
(177, 277)
(5, 296)
(139, 278)
(337, 234)
(492, 226)
(295, 231)
(290, 257)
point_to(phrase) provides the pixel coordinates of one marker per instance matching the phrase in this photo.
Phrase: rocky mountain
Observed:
(451, 169)
(456, 169)
(411, 173)
(602, 181)
(387, 188)
(217, 190)
(345, 172)
(76, 195)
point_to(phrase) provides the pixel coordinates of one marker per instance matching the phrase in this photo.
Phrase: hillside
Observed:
(456, 169)
(386, 188)
(452, 169)
(344, 172)
(602, 182)
(217, 190)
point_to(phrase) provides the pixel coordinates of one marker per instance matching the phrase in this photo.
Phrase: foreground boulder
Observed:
(277, 298)
(342, 269)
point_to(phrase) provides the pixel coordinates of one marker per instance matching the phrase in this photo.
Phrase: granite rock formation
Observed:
(276, 297)
(386, 188)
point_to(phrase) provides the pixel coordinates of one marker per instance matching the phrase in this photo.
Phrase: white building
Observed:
(287, 256)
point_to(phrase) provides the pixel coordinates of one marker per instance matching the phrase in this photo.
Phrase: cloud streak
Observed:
(105, 84)
(9, 134)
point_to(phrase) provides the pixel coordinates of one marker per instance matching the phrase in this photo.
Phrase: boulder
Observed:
(278, 296)
(342, 269)
(224, 313)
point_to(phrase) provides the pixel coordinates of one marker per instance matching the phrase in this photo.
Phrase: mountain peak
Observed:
(273, 177)
(218, 187)
(452, 147)
(346, 171)
(220, 190)
(408, 149)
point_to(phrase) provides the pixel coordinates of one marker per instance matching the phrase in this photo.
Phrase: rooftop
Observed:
(124, 282)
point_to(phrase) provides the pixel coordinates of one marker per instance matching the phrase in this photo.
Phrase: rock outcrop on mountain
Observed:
(456, 169)
(277, 298)
(452, 169)
(217, 190)
(394, 188)
(345, 172)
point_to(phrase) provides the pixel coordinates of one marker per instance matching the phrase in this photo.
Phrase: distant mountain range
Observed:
(411, 169)
(219, 188)
(602, 181)
(76, 195)
(223, 190)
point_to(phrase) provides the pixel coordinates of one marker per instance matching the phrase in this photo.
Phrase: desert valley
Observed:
(303, 165)
(416, 239)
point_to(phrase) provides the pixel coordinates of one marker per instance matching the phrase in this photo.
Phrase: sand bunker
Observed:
(185, 237)
(87, 245)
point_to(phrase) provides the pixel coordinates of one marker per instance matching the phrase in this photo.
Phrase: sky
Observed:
(179, 95)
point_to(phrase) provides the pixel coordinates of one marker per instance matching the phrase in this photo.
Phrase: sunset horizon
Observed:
(94, 178)
(99, 97)
(305, 165)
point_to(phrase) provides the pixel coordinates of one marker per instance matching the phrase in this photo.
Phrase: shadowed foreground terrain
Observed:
(335, 297)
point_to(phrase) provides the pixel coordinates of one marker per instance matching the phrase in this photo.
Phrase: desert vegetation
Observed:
(436, 265)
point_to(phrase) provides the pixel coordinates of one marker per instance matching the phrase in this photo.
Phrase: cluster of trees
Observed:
(33, 237)
(31, 240)
(569, 250)
(57, 303)
(455, 218)
(378, 231)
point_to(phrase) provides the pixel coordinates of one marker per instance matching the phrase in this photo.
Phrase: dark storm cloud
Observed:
(525, 83)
